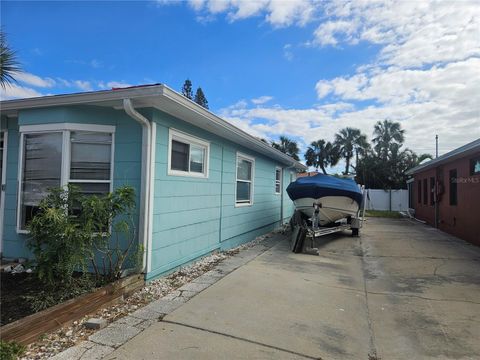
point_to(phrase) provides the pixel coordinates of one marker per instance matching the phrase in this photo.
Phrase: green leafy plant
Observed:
(10, 350)
(108, 221)
(59, 243)
(72, 230)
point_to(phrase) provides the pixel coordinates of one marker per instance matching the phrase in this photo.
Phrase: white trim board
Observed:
(174, 134)
(238, 156)
(3, 184)
(67, 126)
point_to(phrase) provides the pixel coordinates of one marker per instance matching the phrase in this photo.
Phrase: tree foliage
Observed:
(187, 89)
(9, 64)
(321, 154)
(200, 98)
(350, 141)
(287, 146)
(384, 166)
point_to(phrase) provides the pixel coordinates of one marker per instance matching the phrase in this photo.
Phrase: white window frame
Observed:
(278, 182)
(241, 156)
(65, 129)
(182, 137)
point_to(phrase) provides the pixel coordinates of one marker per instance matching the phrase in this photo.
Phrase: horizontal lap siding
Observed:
(127, 158)
(193, 216)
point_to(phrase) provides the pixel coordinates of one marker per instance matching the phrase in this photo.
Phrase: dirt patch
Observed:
(13, 288)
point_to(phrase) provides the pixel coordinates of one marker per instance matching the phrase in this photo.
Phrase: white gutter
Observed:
(146, 197)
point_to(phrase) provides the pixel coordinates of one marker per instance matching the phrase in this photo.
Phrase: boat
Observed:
(331, 198)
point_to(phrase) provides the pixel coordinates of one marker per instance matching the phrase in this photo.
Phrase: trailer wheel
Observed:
(355, 231)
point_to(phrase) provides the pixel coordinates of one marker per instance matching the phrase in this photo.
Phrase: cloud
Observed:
(261, 100)
(15, 91)
(425, 74)
(287, 52)
(96, 64)
(113, 84)
(414, 34)
(34, 80)
(277, 13)
(83, 85)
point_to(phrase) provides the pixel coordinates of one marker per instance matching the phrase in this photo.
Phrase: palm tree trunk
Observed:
(323, 169)
(347, 165)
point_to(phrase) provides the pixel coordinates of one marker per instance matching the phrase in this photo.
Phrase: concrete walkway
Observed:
(400, 291)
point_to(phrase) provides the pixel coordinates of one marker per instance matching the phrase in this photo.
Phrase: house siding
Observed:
(127, 159)
(461, 219)
(194, 216)
(191, 216)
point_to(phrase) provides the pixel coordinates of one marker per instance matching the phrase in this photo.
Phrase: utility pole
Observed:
(436, 146)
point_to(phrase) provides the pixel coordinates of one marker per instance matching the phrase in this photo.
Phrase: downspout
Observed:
(145, 199)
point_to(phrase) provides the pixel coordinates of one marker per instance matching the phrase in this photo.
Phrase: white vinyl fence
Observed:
(394, 200)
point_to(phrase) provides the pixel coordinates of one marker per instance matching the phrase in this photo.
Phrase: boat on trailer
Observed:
(324, 204)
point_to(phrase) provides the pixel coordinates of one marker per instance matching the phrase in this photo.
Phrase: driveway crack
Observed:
(242, 339)
(372, 354)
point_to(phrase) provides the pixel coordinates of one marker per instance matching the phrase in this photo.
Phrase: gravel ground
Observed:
(57, 341)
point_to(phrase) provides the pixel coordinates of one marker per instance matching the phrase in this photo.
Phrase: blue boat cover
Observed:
(324, 185)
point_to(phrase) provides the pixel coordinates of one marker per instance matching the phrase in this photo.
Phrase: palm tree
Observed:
(361, 147)
(386, 133)
(8, 62)
(349, 140)
(287, 146)
(321, 154)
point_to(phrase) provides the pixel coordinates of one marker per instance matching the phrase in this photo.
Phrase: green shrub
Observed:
(57, 239)
(72, 230)
(10, 350)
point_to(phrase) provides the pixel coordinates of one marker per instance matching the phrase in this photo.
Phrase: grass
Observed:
(383, 214)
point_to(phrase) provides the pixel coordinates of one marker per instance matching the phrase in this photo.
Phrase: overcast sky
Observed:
(299, 68)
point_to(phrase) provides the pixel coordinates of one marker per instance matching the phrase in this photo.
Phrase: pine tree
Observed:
(187, 89)
(200, 98)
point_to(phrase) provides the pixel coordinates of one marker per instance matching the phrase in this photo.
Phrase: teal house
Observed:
(202, 184)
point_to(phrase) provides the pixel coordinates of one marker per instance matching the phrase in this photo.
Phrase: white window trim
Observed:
(180, 136)
(240, 156)
(66, 126)
(278, 181)
(65, 129)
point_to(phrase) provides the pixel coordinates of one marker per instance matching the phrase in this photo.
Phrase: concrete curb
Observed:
(117, 333)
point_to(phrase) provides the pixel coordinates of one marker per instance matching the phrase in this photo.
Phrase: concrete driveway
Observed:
(401, 291)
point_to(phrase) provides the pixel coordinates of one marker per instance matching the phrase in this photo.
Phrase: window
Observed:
(432, 191)
(188, 155)
(419, 191)
(278, 180)
(245, 176)
(425, 192)
(453, 186)
(71, 153)
(42, 169)
(475, 166)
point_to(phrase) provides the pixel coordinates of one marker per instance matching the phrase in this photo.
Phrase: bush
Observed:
(10, 350)
(72, 230)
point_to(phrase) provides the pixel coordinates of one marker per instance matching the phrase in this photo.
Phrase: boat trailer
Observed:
(305, 231)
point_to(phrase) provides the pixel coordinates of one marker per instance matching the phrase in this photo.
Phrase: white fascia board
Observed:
(81, 98)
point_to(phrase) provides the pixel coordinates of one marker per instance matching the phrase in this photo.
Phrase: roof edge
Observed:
(451, 155)
(146, 91)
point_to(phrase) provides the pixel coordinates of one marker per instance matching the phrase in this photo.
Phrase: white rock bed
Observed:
(68, 336)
